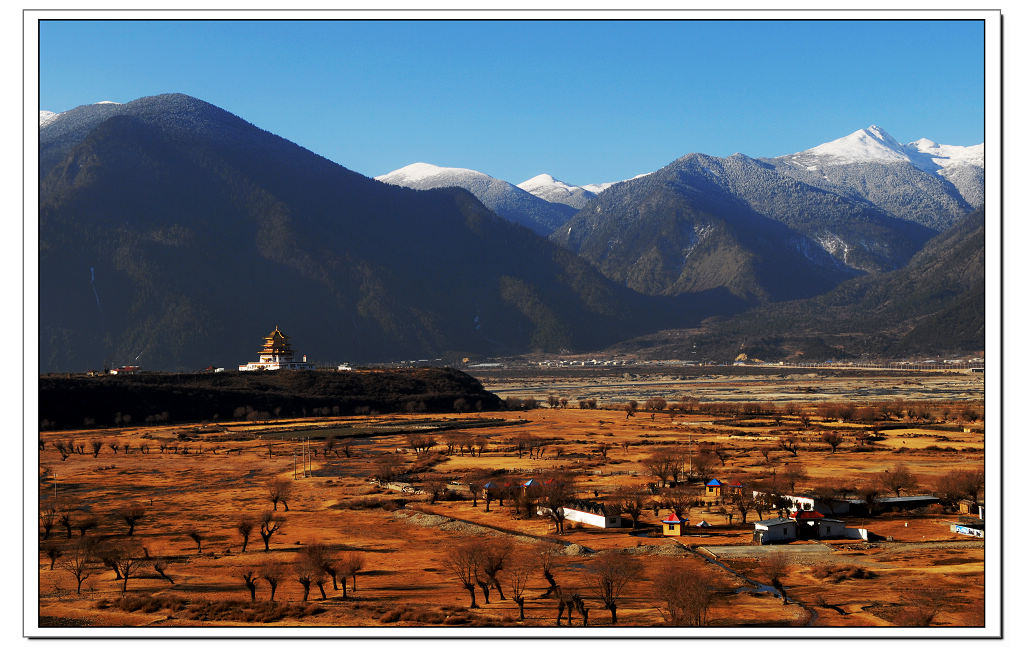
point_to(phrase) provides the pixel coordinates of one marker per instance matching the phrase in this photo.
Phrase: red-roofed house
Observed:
(673, 525)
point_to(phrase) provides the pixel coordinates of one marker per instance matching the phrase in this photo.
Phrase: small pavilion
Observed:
(673, 525)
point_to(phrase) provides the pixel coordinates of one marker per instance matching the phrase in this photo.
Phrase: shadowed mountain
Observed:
(174, 235)
(934, 305)
(704, 222)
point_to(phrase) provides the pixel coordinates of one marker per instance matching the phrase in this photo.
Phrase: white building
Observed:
(776, 530)
(276, 354)
(592, 514)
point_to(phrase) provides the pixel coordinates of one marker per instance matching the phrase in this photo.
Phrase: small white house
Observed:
(592, 514)
(776, 530)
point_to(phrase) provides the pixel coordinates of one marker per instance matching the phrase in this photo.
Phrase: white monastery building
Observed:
(276, 354)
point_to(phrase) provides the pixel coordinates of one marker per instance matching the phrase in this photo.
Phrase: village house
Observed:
(593, 514)
(719, 489)
(776, 530)
(673, 525)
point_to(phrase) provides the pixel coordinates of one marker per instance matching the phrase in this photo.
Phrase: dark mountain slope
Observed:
(704, 222)
(176, 230)
(934, 305)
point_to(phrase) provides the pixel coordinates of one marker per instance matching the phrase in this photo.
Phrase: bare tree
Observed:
(386, 468)
(271, 572)
(47, 517)
(278, 491)
(687, 591)
(354, 562)
(244, 527)
(96, 445)
(131, 516)
(462, 560)
(52, 552)
(86, 523)
(315, 563)
(632, 501)
(64, 516)
(128, 560)
(556, 493)
(305, 572)
(196, 536)
(492, 561)
(546, 559)
(833, 439)
(610, 572)
(160, 566)
(661, 464)
(678, 500)
(743, 503)
(775, 566)
(249, 576)
(269, 523)
(896, 479)
(78, 562)
(792, 474)
(789, 444)
(519, 569)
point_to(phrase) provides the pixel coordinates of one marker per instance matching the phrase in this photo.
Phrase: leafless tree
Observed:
(833, 439)
(64, 516)
(610, 572)
(789, 444)
(198, 537)
(160, 567)
(493, 557)
(960, 484)
(557, 493)
(661, 464)
(743, 503)
(269, 523)
(792, 474)
(244, 527)
(78, 561)
(279, 490)
(47, 517)
(897, 479)
(127, 558)
(687, 591)
(305, 572)
(386, 468)
(436, 486)
(271, 572)
(354, 562)
(775, 567)
(519, 570)
(96, 445)
(131, 516)
(678, 500)
(86, 523)
(315, 561)
(632, 501)
(52, 552)
(462, 560)
(547, 559)
(249, 576)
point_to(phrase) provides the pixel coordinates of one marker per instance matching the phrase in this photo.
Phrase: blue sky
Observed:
(586, 101)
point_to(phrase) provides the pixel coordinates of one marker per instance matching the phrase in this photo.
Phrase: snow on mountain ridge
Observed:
(874, 144)
(47, 117)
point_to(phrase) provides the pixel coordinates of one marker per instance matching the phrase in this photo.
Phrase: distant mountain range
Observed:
(934, 305)
(175, 234)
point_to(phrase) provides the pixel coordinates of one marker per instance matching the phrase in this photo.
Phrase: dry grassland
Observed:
(402, 536)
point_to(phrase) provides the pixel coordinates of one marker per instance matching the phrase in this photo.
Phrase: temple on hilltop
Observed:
(276, 354)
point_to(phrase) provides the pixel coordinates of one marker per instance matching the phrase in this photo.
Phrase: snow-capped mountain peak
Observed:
(421, 171)
(504, 198)
(553, 190)
(872, 144)
(47, 117)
